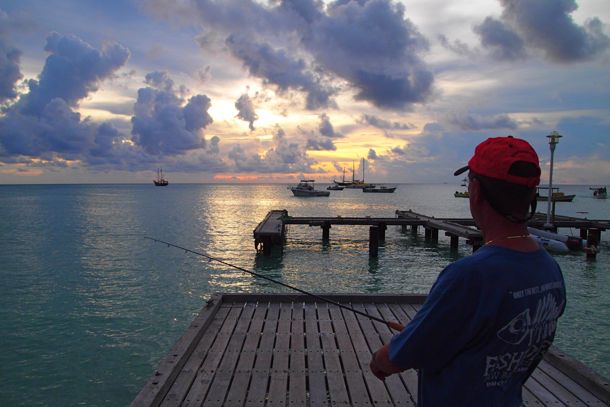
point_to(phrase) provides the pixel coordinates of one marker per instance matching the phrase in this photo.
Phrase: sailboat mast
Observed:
(363, 170)
(353, 172)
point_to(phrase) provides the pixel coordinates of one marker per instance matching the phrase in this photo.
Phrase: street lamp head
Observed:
(554, 138)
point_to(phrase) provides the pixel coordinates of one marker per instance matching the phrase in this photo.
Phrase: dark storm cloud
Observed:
(301, 44)
(245, 110)
(326, 128)
(372, 154)
(41, 123)
(163, 126)
(475, 122)
(500, 39)
(375, 121)
(10, 72)
(72, 71)
(320, 144)
(278, 67)
(375, 48)
(545, 25)
(159, 80)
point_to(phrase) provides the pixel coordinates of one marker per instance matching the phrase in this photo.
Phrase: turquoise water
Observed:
(88, 306)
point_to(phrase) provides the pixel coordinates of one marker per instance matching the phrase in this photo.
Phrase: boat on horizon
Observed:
(459, 194)
(599, 192)
(160, 181)
(354, 183)
(379, 189)
(335, 187)
(556, 195)
(305, 188)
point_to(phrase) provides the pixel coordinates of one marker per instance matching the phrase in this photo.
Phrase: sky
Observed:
(273, 91)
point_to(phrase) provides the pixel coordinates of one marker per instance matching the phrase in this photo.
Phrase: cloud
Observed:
(500, 39)
(283, 156)
(245, 109)
(368, 47)
(72, 71)
(320, 144)
(279, 68)
(544, 25)
(372, 154)
(10, 72)
(326, 128)
(477, 122)
(380, 123)
(163, 125)
(41, 123)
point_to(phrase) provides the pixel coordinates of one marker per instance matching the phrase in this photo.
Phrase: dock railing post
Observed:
(373, 241)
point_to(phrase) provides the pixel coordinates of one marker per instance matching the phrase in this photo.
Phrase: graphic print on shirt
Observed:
(532, 332)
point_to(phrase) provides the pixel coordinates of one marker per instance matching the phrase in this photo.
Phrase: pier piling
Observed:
(374, 241)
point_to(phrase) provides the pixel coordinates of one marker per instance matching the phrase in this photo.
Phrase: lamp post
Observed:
(553, 141)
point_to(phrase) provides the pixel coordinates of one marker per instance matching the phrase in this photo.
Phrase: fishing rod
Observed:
(393, 325)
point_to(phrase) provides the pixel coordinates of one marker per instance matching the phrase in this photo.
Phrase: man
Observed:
(489, 317)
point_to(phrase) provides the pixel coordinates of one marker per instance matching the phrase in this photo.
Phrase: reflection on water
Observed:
(88, 306)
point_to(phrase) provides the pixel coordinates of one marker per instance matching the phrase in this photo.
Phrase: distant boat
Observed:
(459, 194)
(335, 188)
(160, 181)
(600, 192)
(465, 182)
(305, 189)
(354, 183)
(556, 196)
(379, 189)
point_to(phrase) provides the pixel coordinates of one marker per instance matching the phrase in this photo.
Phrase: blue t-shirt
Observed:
(484, 327)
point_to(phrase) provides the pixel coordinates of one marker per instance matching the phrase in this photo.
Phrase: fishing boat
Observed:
(459, 194)
(600, 192)
(556, 196)
(305, 188)
(354, 183)
(160, 181)
(379, 189)
(335, 187)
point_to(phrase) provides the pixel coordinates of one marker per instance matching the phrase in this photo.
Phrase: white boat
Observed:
(571, 242)
(305, 188)
(551, 245)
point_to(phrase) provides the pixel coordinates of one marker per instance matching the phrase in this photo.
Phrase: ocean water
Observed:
(88, 307)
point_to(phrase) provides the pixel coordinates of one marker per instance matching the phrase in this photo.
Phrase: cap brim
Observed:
(461, 170)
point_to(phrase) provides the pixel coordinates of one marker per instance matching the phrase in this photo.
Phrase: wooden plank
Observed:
(182, 384)
(400, 393)
(224, 374)
(315, 364)
(245, 365)
(341, 298)
(262, 366)
(570, 385)
(356, 387)
(297, 391)
(334, 370)
(378, 393)
(555, 388)
(157, 386)
(528, 398)
(201, 384)
(278, 385)
(542, 394)
(594, 383)
(409, 376)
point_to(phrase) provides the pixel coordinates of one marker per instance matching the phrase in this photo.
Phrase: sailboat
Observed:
(354, 183)
(160, 181)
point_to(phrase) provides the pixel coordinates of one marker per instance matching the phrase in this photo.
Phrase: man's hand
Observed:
(381, 365)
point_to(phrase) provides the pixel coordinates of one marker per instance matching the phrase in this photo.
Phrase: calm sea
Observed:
(88, 306)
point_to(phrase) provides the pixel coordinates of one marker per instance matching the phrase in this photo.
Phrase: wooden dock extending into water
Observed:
(292, 350)
(271, 232)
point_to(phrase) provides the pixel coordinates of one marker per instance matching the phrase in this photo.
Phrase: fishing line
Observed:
(393, 325)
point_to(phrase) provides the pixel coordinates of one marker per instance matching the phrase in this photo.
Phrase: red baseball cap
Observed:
(496, 158)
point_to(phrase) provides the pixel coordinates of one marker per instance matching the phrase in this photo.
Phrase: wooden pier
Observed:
(291, 350)
(271, 232)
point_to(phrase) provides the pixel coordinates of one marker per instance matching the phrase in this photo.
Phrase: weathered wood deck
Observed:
(288, 350)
